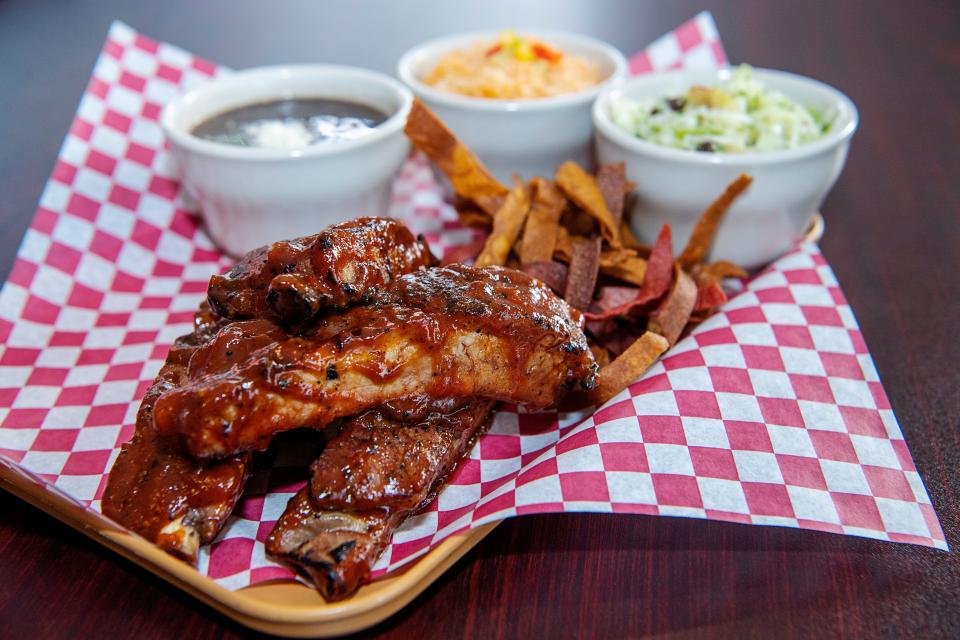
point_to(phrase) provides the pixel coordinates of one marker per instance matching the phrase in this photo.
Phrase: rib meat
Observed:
(450, 332)
(391, 456)
(290, 282)
(336, 538)
(155, 488)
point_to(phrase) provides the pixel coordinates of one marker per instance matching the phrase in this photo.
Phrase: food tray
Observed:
(284, 608)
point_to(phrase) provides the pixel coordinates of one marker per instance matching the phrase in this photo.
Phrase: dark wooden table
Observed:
(892, 236)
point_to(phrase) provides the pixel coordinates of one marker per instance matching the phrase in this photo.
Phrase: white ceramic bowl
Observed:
(252, 196)
(530, 137)
(675, 186)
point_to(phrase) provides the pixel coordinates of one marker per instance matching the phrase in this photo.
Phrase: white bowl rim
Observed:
(394, 123)
(836, 136)
(449, 42)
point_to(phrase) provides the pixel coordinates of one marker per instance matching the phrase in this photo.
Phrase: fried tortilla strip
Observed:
(394, 467)
(706, 228)
(612, 180)
(709, 296)
(578, 222)
(553, 274)
(715, 272)
(623, 264)
(563, 247)
(659, 273)
(611, 298)
(470, 179)
(629, 366)
(582, 188)
(470, 215)
(671, 318)
(582, 276)
(627, 236)
(540, 233)
(656, 280)
(507, 224)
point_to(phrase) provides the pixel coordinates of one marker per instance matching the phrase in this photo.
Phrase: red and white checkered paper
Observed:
(771, 412)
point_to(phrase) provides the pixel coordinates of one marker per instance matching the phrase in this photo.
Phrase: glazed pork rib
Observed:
(155, 488)
(290, 282)
(370, 478)
(450, 332)
(391, 457)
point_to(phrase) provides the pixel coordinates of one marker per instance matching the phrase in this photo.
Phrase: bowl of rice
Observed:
(685, 135)
(521, 100)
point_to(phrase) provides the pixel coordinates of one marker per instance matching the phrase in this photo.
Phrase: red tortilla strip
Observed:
(629, 366)
(582, 276)
(463, 253)
(615, 335)
(709, 296)
(581, 187)
(609, 298)
(470, 179)
(551, 273)
(659, 273)
(507, 224)
(656, 280)
(540, 232)
(612, 180)
(706, 228)
(671, 317)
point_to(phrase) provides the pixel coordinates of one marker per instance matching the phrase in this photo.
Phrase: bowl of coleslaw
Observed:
(685, 135)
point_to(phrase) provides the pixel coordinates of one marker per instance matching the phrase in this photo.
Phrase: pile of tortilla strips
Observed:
(569, 232)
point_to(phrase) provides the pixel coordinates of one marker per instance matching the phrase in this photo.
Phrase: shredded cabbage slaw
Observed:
(738, 114)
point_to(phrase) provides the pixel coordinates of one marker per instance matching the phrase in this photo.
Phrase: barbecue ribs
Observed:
(290, 282)
(450, 332)
(354, 323)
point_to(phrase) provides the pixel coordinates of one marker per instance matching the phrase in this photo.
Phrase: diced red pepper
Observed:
(546, 53)
(495, 49)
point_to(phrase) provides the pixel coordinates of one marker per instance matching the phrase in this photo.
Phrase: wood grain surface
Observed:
(892, 236)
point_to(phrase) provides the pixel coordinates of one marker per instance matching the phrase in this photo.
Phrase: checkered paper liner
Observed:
(771, 412)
